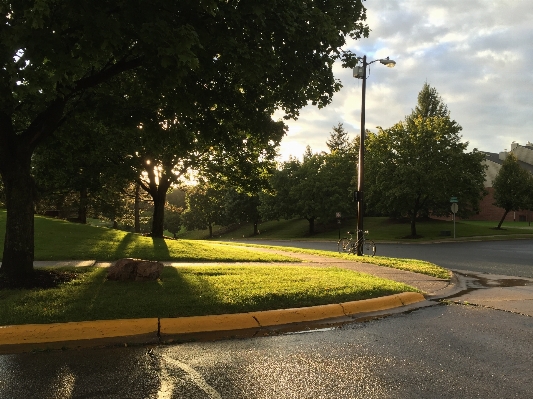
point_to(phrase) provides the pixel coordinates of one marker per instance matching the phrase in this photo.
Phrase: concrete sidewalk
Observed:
(163, 330)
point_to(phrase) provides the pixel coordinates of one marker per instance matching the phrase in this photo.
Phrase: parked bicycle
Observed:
(368, 247)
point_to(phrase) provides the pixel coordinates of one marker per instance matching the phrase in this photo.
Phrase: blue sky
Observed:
(477, 53)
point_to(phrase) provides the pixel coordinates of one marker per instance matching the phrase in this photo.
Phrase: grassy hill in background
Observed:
(57, 239)
(380, 229)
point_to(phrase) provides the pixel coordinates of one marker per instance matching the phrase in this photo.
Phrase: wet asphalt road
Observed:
(445, 351)
(509, 258)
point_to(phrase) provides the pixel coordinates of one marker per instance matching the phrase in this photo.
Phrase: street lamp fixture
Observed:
(359, 72)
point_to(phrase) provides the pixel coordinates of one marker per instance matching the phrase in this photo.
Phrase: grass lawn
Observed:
(412, 265)
(61, 240)
(380, 229)
(190, 291)
(182, 291)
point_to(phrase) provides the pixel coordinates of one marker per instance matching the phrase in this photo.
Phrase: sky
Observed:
(478, 54)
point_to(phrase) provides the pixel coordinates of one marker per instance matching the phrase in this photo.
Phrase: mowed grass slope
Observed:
(61, 240)
(380, 229)
(181, 291)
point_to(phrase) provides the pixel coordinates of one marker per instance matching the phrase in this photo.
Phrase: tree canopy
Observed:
(513, 187)
(53, 55)
(315, 188)
(414, 167)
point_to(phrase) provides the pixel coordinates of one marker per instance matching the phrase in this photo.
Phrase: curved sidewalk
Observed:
(29, 337)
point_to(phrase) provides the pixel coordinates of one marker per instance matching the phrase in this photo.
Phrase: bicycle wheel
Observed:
(343, 245)
(369, 248)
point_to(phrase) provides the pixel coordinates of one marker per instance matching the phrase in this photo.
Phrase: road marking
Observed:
(167, 383)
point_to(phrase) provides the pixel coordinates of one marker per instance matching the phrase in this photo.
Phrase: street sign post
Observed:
(455, 208)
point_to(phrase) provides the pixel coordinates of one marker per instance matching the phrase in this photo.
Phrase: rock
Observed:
(129, 269)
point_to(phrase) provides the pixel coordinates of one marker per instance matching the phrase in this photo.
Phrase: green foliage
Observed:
(173, 219)
(2, 195)
(219, 59)
(429, 104)
(76, 171)
(413, 168)
(205, 207)
(381, 229)
(339, 142)
(191, 291)
(513, 187)
(316, 188)
(241, 207)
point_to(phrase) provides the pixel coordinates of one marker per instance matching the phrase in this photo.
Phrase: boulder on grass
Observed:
(129, 269)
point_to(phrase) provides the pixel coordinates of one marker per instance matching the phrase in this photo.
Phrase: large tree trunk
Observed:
(18, 243)
(159, 195)
(210, 230)
(256, 230)
(503, 218)
(159, 213)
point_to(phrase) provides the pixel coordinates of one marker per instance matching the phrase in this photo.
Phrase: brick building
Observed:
(488, 211)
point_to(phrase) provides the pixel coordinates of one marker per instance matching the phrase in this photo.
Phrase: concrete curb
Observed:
(23, 338)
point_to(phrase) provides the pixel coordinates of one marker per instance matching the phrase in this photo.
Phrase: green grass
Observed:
(183, 291)
(380, 228)
(191, 291)
(412, 265)
(62, 240)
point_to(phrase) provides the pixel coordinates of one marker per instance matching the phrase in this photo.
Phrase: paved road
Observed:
(513, 258)
(445, 351)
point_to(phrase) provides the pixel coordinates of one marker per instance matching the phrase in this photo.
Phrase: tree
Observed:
(205, 207)
(513, 187)
(414, 167)
(429, 104)
(316, 188)
(339, 141)
(241, 207)
(54, 54)
(173, 220)
(276, 201)
(76, 160)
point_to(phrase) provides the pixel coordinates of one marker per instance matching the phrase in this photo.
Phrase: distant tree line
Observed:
(411, 171)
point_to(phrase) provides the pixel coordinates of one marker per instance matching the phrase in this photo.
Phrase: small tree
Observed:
(173, 219)
(513, 187)
(241, 207)
(205, 207)
(316, 188)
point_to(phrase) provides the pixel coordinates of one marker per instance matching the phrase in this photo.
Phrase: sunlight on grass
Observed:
(412, 265)
(191, 291)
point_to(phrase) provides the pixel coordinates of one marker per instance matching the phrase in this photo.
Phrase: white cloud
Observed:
(476, 54)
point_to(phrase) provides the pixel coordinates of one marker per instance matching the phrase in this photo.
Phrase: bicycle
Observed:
(368, 247)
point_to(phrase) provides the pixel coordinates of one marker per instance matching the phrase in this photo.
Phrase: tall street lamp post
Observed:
(359, 72)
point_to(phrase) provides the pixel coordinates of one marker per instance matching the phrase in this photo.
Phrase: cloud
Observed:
(476, 53)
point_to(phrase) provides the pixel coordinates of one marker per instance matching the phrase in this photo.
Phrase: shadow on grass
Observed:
(121, 250)
(178, 293)
(160, 248)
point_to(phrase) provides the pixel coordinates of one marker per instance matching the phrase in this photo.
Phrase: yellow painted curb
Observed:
(193, 324)
(146, 328)
(381, 303)
(408, 298)
(74, 331)
(296, 315)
